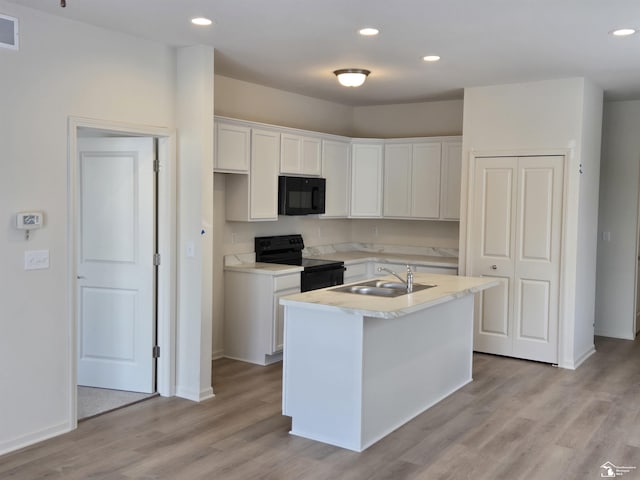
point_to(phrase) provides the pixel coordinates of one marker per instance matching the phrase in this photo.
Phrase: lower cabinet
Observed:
(254, 319)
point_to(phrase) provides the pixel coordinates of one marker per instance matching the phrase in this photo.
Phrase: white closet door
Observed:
(537, 272)
(516, 235)
(494, 217)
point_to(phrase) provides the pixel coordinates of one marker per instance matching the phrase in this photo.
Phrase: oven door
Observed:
(321, 278)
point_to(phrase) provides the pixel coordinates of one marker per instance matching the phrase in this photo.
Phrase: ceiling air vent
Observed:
(8, 32)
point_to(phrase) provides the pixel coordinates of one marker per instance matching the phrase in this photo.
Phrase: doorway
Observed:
(121, 208)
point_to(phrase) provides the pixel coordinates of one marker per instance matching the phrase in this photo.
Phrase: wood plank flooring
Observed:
(517, 420)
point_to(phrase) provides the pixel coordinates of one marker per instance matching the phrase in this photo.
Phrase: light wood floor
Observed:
(517, 420)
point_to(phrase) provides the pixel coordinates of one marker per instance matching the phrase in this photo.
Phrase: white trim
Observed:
(34, 437)
(166, 240)
(16, 33)
(578, 361)
(566, 310)
(217, 354)
(194, 395)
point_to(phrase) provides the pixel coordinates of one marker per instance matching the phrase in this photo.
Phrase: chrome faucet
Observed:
(408, 282)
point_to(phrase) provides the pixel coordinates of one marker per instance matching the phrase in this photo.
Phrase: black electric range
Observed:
(287, 250)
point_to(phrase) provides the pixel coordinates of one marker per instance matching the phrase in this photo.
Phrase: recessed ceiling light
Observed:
(431, 58)
(368, 31)
(201, 21)
(623, 32)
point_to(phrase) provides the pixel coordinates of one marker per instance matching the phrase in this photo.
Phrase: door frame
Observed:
(166, 234)
(569, 228)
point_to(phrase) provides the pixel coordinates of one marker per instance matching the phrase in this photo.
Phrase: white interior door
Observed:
(516, 238)
(115, 268)
(493, 248)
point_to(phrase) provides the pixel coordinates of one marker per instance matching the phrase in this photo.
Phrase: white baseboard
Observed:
(602, 333)
(581, 359)
(34, 437)
(218, 354)
(194, 395)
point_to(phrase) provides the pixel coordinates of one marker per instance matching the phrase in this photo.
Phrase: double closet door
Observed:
(516, 226)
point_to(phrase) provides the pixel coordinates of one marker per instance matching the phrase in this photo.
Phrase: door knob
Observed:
(81, 277)
(493, 267)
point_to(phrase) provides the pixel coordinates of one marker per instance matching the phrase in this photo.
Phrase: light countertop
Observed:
(264, 268)
(448, 288)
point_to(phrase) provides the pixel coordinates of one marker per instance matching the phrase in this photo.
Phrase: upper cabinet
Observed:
(336, 169)
(451, 175)
(422, 178)
(366, 179)
(232, 148)
(254, 197)
(412, 180)
(300, 155)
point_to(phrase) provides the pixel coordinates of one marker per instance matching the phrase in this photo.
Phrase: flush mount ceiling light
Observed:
(431, 58)
(351, 77)
(368, 31)
(201, 21)
(623, 32)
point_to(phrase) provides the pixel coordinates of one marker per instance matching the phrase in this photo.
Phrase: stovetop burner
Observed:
(287, 250)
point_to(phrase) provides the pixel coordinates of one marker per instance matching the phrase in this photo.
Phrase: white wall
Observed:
(194, 115)
(618, 214)
(63, 68)
(542, 116)
(249, 101)
(409, 119)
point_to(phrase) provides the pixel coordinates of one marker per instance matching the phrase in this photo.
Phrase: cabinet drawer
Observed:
(355, 271)
(286, 281)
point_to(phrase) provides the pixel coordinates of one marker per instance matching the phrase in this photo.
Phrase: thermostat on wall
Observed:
(28, 220)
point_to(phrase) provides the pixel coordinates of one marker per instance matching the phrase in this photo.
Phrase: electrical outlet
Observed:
(36, 259)
(234, 237)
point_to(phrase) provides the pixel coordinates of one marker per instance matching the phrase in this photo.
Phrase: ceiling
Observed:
(295, 45)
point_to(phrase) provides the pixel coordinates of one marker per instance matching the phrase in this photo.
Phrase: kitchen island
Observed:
(356, 367)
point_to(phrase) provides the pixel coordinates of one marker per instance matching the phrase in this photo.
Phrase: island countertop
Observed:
(447, 288)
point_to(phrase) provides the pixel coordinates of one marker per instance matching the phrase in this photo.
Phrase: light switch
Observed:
(36, 259)
(606, 236)
(191, 250)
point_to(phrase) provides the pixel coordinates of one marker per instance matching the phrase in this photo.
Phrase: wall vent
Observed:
(8, 32)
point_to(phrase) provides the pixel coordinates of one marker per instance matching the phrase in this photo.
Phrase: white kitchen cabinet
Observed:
(336, 170)
(355, 272)
(233, 143)
(300, 155)
(453, 270)
(254, 197)
(412, 180)
(254, 319)
(450, 180)
(366, 179)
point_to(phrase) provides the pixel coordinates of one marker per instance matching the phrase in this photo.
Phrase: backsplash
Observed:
(314, 251)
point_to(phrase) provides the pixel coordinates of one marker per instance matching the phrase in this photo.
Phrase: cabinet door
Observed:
(232, 148)
(450, 183)
(300, 155)
(366, 180)
(335, 167)
(290, 154)
(397, 180)
(311, 156)
(438, 270)
(265, 155)
(425, 180)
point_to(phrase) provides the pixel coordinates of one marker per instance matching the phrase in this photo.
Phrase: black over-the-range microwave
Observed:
(300, 195)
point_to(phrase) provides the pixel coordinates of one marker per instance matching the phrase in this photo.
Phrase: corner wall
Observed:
(537, 116)
(62, 69)
(618, 215)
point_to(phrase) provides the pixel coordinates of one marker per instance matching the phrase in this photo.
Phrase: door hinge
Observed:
(156, 165)
(156, 351)
(156, 259)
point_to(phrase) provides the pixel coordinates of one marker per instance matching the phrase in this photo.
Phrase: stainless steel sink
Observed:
(380, 288)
